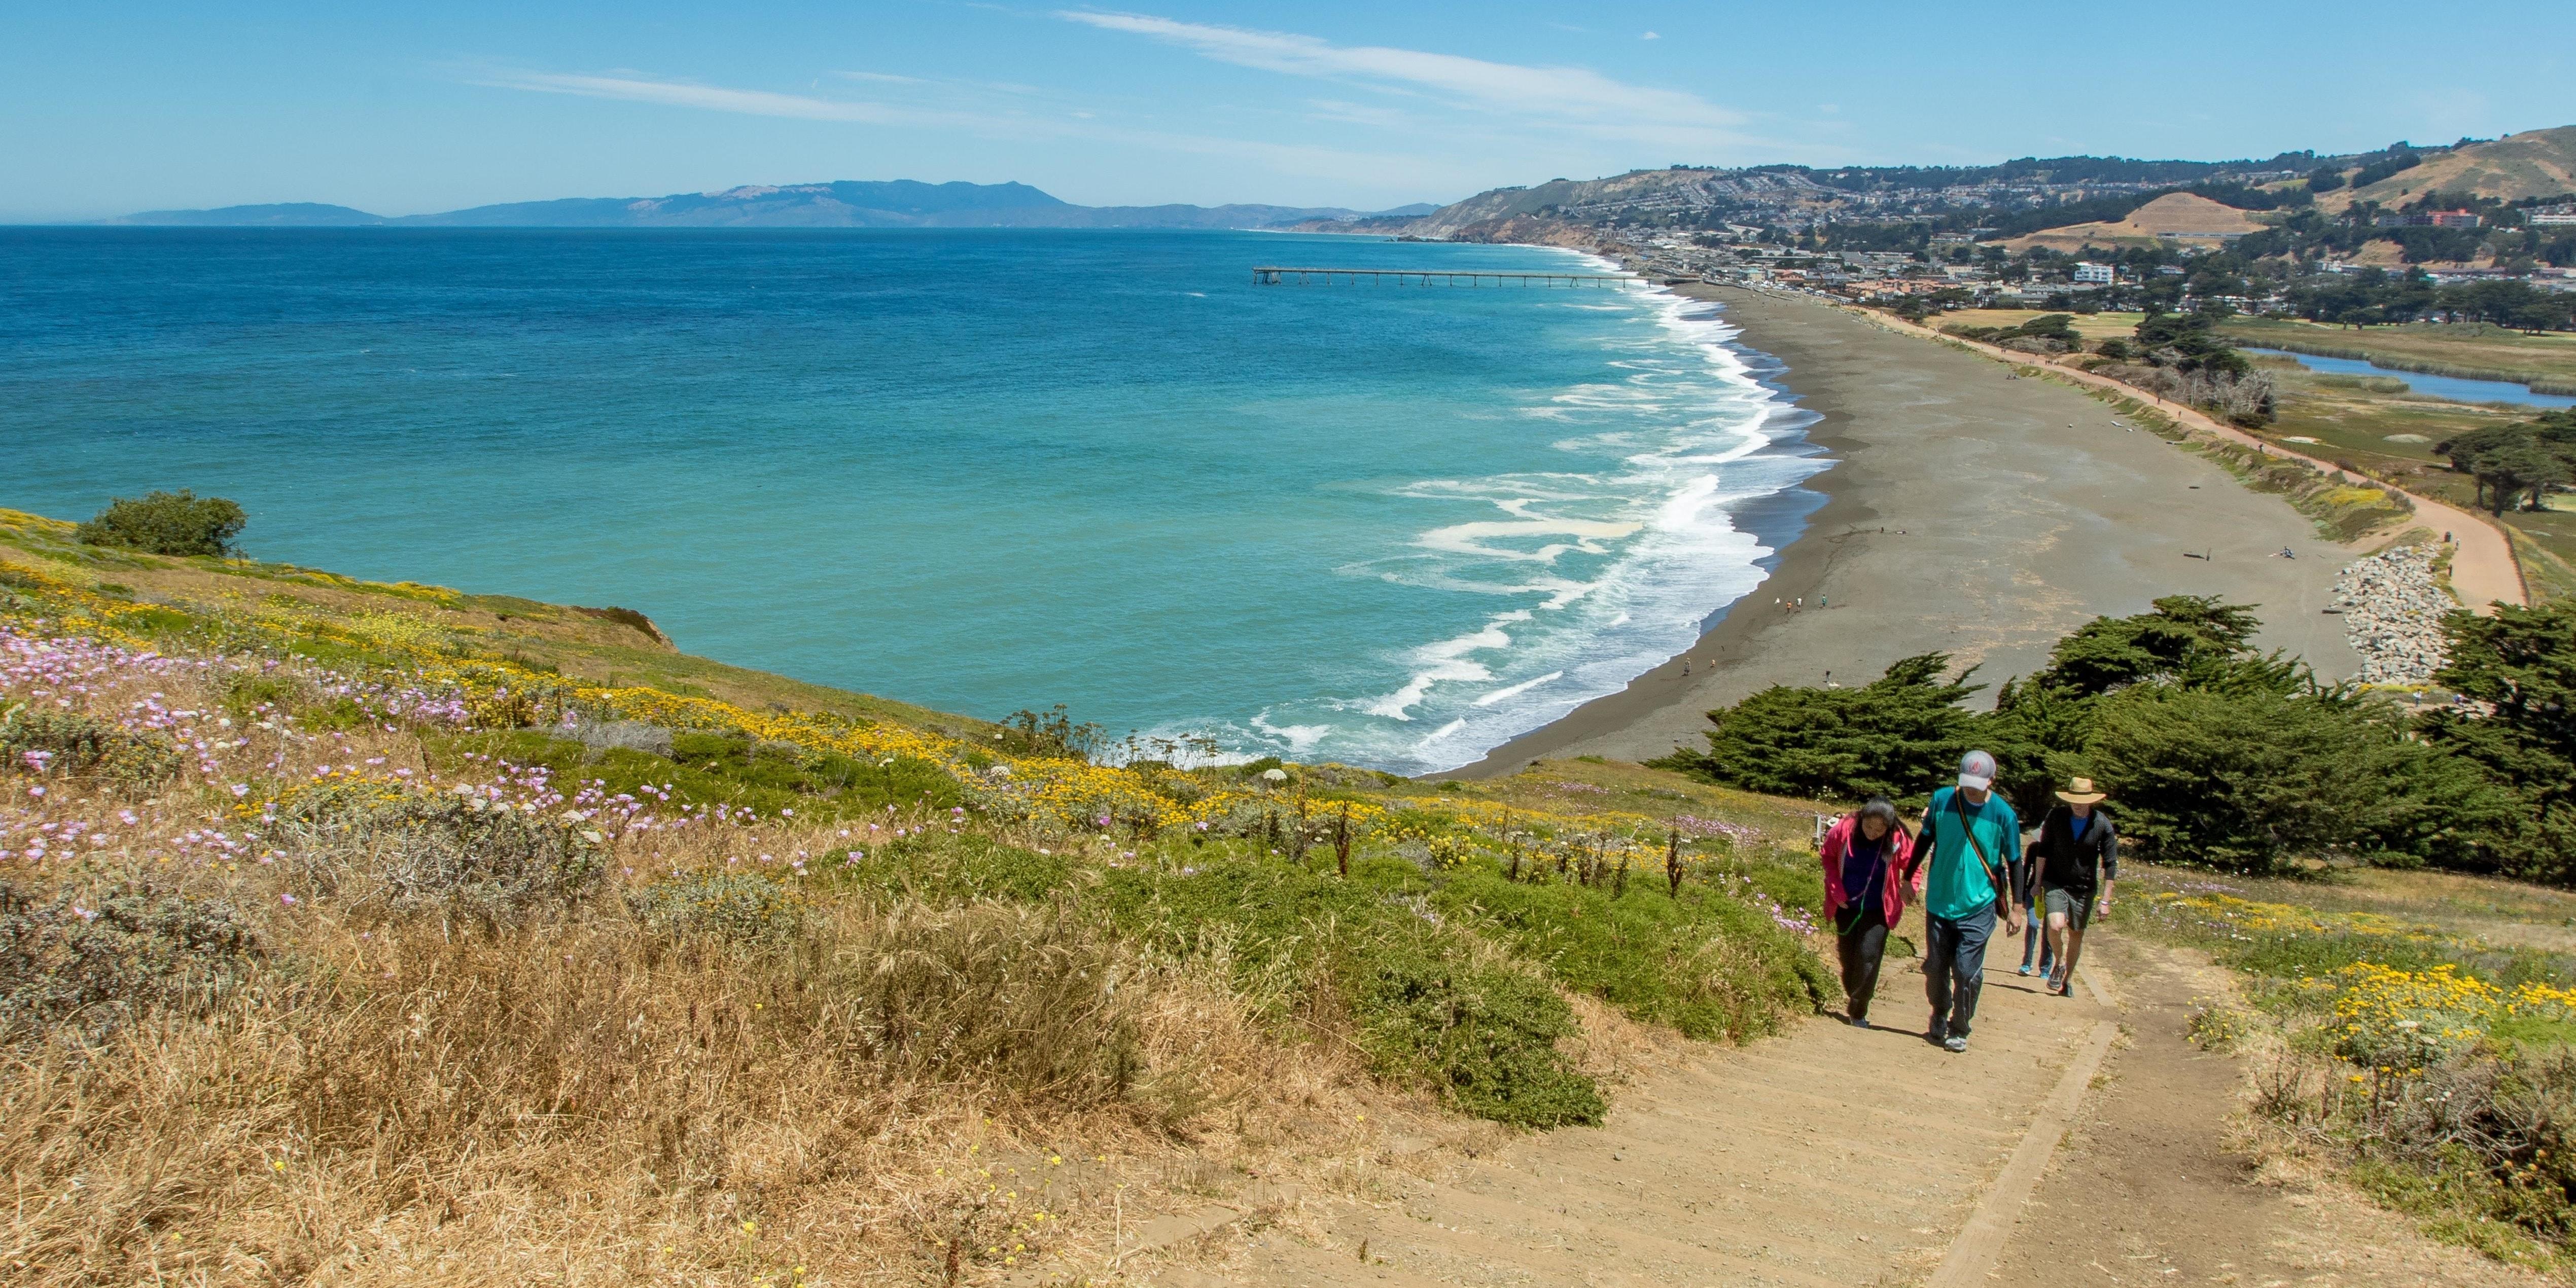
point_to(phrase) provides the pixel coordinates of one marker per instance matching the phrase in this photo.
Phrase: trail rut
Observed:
(1833, 1156)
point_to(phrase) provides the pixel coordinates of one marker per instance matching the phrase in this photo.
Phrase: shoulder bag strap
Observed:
(1961, 809)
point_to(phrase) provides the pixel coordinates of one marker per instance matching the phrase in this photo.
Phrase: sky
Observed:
(108, 108)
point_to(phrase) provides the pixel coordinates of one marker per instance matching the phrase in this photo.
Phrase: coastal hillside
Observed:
(754, 982)
(759, 983)
(1998, 200)
(2534, 163)
(1481, 217)
(844, 204)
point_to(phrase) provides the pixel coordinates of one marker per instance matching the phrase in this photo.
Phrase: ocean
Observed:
(976, 470)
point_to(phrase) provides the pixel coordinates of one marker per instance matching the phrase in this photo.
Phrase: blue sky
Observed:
(107, 108)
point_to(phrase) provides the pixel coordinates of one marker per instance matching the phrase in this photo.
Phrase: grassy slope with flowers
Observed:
(2409, 1027)
(351, 929)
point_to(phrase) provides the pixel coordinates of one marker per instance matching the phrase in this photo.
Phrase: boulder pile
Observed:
(2392, 611)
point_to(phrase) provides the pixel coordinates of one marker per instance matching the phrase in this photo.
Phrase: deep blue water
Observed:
(975, 470)
(2455, 388)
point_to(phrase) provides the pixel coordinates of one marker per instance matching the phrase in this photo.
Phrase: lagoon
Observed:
(2455, 388)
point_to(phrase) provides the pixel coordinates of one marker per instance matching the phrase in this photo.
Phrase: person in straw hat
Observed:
(2073, 861)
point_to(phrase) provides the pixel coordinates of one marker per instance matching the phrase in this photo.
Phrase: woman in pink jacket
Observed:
(1869, 868)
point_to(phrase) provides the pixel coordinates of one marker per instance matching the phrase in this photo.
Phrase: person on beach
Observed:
(2076, 842)
(1967, 847)
(1869, 864)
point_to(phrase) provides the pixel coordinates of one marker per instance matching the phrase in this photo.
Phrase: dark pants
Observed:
(1861, 936)
(1954, 968)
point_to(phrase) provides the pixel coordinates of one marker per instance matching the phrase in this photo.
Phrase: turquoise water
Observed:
(974, 470)
(2455, 388)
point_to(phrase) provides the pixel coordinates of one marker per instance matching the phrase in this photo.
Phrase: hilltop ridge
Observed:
(900, 203)
(2533, 163)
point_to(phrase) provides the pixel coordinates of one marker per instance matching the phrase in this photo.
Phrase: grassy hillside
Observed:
(354, 930)
(2534, 163)
(2174, 212)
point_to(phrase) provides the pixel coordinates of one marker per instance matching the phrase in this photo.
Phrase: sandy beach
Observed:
(1967, 512)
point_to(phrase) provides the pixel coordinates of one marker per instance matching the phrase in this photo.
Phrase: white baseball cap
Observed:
(1977, 769)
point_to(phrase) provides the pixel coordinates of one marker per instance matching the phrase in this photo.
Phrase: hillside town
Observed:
(2388, 236)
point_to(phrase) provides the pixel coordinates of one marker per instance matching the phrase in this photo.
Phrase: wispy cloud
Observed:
(1304, 160)
(713, 98)
(1574, 98)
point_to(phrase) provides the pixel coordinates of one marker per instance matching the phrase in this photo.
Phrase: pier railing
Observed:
(1281, 276)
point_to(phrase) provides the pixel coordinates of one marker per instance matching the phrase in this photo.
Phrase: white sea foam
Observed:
(1612, 570)
(1509, 692)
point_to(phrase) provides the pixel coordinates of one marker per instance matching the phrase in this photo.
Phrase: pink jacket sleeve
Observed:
(1837, 842)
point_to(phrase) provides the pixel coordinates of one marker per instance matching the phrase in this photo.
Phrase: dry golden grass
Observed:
(573, 1101)
(2092, 326)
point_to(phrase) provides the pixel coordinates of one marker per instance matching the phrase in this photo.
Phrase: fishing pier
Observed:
(1270, 276)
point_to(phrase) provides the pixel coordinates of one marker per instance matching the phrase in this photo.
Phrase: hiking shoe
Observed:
(1954, 1043)
(2025, 968)
(1935, 1032)
(1857, 1021)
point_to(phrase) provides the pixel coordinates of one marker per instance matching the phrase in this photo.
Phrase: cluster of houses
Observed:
(1887, 275)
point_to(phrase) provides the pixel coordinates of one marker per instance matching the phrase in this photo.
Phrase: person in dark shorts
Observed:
(1967, 847)
(1869, 865)
(2073, 862)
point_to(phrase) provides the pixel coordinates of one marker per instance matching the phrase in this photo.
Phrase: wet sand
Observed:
(1969, 513)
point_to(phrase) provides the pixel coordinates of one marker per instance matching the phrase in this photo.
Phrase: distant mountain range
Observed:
(901, 203)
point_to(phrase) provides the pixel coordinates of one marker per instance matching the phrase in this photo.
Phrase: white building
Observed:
(2550, 216)
(2097, 274)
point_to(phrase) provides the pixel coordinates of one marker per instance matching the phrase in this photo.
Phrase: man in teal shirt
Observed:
(1973, 840)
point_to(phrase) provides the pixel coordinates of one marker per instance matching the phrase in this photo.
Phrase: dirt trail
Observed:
(1833, 1156)
(2144, 1191)
(2483, 569)
(1838, 1157)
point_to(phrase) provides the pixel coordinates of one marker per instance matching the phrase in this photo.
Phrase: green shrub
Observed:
(1423, 1001)
(1485, 1034)
(92, 964)
(2246, 780)
(79, 746)
(456, 856)
(2520, 667)
(747, 911)
(1898, 736)
(1708, 965)
(166, 523)
(936, 866)
(247, 693)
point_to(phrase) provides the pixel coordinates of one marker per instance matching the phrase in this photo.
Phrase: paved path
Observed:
(2483, 569)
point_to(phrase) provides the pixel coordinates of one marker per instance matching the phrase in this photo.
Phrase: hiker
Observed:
(1869, 862)
(2074, 841)
(2033, 943)
(1967, 847)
